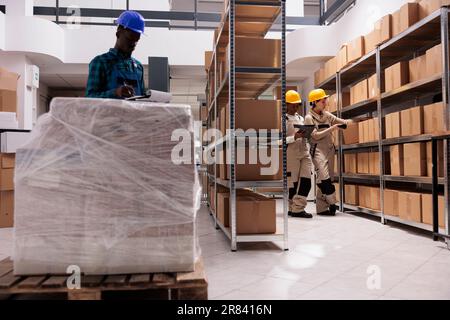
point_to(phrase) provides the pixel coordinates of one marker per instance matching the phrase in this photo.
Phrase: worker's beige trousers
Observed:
(323, 160)
(297, 169)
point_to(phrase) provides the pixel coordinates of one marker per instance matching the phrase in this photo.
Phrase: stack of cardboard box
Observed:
(7, 190)
(369, 197)
(369, 130)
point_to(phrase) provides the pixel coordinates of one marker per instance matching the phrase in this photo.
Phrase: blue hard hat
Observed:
(132, 20)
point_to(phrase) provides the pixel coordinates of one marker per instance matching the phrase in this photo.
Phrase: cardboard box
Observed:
(434, 61)
(248, 170)
(405, 18)
(355, 49)
(338, 193)
(373, 87)
(427, 210)
(410, 206)
(440, 153)
(418, 68)
(427, 7)
(6, 179)
(351, 194)
(330, 67)
(351, 134)
(333, 103)
(393, 125)
(319, 76)
(255, 214)
(6, 209)
(362, 192)
(363, 130)
(391, 202)
(374, 163)
(363, 163)
(371, 40)
(257, 52)
(268, 114)
(397, 160)
(359, 92)
(375, 199)
(384, 27)
(8, 160)
(434, 119)
(411, 121)
(415, 159)
(208, 59)
(8, 91)
(342, 57)
(396, 76)
(350, 163)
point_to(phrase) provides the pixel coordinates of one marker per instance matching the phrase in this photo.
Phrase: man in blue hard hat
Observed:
(116, 74)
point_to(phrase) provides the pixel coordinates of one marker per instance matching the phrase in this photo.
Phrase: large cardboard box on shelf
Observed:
(363, 162)
(384, 27)
(363, 130)
(415, 159)
(427, 7)
(374, 163)
(397, 160)
(393, 125)
(434, 118)
(330, 67)
(342, 57)
(268, 114)
(351, 134)
(373, 87)
(410, 206)
(427, 210)
(363, 196)
(333, 103)
(405, 18)
(418, 68)
(351, 194)
(391, 202)
(6, 209)
(375, 199)
(350, 163)
(371, 40)
(396, 76)
(208, 59)
(434, 61)
(248, 170)
(257, 52)
(373, 132)
(8, 91)
(355, 49)
(338, 193)
(359, 92)
(255, 214)
(6, 179)
(319, 76)
(440, 154)
(412, 121)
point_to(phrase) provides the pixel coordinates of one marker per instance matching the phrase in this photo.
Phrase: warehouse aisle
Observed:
(330, 258)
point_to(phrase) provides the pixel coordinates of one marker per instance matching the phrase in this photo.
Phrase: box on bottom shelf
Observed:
(427, 210)
(391, 202)
(351, 194)
(410, 206)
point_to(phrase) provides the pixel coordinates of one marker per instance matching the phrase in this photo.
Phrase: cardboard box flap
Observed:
(8, 80)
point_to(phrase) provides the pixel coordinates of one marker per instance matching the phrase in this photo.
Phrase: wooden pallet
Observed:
(173, 286)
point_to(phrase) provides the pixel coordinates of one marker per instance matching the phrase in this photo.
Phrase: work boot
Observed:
(302, 214)
(326, 213)
(333, 209)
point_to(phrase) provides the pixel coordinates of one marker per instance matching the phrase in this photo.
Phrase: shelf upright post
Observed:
(232, 140)
(216, 157)
(380, 133)
(445, 100)
(283, 94)
(340, 147)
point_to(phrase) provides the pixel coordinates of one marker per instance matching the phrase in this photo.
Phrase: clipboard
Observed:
(307, 129)
(138, 97)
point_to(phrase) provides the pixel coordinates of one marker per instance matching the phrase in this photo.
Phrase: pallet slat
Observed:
(116, 280)
(6, 266)
(91, 281)
(197, 276)
(140, 279)
(55, 282)
(8, 280)
(31, 282)
(162, 279)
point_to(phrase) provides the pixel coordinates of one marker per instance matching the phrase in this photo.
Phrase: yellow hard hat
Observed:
(317, 94)
(293, 97)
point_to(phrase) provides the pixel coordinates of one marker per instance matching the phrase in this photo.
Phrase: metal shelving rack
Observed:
(423, 35)
(256, 17)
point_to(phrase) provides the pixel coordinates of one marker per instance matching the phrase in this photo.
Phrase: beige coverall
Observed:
(322, 152)
(299, 166)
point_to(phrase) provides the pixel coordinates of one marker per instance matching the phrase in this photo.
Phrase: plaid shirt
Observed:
(102, 82)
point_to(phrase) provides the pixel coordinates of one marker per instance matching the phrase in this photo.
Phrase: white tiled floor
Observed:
(329, 258)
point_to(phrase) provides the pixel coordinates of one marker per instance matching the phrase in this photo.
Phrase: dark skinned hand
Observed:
(125, 92)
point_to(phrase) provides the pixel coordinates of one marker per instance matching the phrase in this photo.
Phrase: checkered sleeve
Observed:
(97, 82)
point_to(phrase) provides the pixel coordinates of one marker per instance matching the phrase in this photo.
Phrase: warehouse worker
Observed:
(116, 74)
(322, 150)
(298, 159)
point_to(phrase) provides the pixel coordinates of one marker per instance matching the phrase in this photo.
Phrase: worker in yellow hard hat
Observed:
(322, 149)
(299, 166)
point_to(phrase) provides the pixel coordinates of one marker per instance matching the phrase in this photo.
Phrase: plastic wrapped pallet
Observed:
(96, 188)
